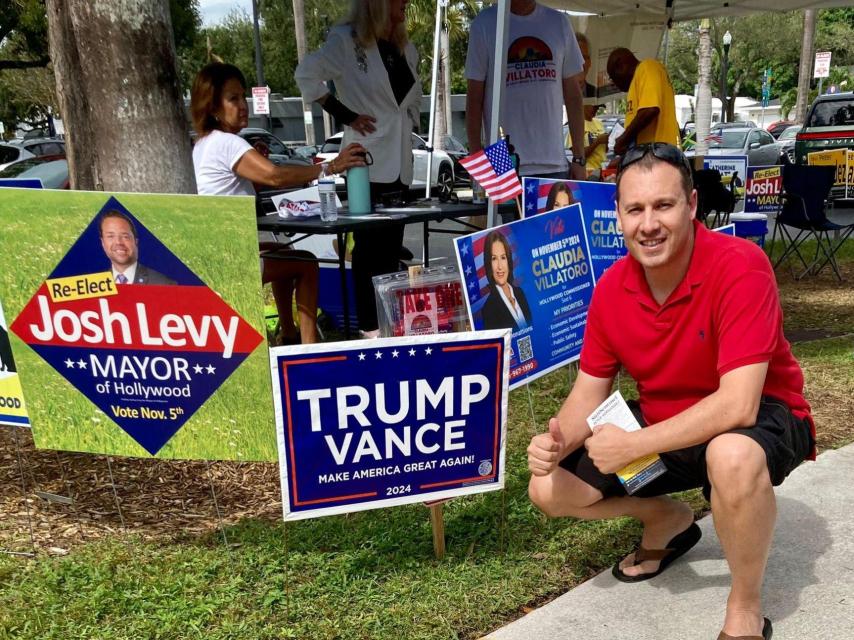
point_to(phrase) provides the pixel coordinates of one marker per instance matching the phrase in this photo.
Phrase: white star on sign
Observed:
(211, 369)
(361, 357)
(412, 352)
(531, 186)
(198, 368)
(464, 249)
(81, 364)
(69, 364)
(468, 271)
(394, 353)
(428, 350)
(378, 355)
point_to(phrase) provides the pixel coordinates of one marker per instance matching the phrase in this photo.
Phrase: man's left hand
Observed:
(610, 448)
(577, 172)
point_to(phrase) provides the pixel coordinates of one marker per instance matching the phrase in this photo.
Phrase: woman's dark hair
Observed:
(492, 238)
(206, 95)
(558, 187)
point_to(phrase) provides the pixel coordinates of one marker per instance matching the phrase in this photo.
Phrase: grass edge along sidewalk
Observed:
(367, 575)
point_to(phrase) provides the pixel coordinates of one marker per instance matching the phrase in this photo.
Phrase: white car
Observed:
(442, 171)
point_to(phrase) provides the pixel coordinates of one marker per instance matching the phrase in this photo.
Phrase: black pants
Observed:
(376, 251)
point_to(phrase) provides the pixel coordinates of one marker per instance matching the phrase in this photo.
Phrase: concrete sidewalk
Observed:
(808, 591)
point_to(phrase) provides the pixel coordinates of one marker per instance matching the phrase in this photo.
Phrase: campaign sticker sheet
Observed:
(598, 202)
(13, 410)
(375, 423)
(763, 190)
(533, 276)
(733, 171)
(138, 323)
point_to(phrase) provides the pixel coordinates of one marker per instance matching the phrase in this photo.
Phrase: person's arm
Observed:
(573, 100)
(568, 430)
(474, 114)
(642, 119)
(599, 140)
(735, 404)
(255, 167)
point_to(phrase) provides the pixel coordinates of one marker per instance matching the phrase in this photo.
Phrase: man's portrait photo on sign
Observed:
(120, 242)
(506, 306)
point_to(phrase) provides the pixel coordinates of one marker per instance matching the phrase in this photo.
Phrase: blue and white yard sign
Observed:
(541, 268)
(375, 423)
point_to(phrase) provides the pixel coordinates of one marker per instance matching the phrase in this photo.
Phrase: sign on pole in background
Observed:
(260, 100)
(541, 268)
(375, 423)
(822, 64)
(138, 323)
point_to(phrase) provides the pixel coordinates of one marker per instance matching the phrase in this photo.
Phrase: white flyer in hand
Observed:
(616, 132)
(617, 412)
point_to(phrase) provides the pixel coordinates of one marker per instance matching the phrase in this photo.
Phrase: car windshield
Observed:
(723, 139)
(333, 145)
(14, 170)
(833, 113)
(790, 133)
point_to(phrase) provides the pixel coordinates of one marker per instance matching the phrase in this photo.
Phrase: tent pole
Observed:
(431, 143)
(502, 34)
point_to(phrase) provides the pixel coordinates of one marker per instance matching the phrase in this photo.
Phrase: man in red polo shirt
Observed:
(694, 316)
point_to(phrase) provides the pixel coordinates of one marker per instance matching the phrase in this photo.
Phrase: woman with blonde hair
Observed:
(226, 164)
(375, 71)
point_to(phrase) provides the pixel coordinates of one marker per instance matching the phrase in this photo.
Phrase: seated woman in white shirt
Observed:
(506, 306)
(226, 164)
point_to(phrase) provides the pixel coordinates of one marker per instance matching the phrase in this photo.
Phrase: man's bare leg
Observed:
(562, 494)
(744, 510)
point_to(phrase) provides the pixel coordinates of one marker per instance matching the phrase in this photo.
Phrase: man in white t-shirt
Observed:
(543, 62)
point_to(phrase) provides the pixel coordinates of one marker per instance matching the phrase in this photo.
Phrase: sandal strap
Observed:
(726, 636)
(643, 554)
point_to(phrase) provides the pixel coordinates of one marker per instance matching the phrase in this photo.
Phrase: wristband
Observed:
(578, 160)
(338, 111)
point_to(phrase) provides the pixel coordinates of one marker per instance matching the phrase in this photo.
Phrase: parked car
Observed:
(51, 170)
(786, 140)
(442, 171)
(757, 144)
(829, 125)
(279, 153)
(42, 146)
(457, 151)
(11, 153)
(610, 121)
(777, 128)
(307, 151)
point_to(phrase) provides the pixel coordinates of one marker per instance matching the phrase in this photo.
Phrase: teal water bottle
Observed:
(359, 188)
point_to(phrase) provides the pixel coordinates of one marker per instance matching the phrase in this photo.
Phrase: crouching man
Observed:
(694, 316)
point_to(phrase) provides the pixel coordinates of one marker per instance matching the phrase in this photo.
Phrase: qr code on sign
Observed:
(523, 344)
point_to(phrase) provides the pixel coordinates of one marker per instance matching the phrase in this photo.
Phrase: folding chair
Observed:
(805, 189)
(712, 196)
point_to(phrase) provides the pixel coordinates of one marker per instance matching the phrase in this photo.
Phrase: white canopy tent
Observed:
(643, 14)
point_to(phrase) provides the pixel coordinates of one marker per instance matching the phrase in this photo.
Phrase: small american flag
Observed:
(493, 170)
(714, 137)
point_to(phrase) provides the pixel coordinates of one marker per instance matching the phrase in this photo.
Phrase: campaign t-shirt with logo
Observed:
(542, 50)
(651, 87)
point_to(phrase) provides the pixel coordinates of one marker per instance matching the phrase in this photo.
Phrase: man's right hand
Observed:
(545, 450)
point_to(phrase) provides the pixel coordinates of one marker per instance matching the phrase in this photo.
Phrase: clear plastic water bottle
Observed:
(328, 203)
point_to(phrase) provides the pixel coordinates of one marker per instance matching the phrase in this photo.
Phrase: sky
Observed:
(213, 11)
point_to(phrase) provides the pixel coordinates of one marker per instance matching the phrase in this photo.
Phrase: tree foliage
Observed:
(759, 42)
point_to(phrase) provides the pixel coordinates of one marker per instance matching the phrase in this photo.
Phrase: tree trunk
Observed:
(805, 72)
(299, 31)
(703, 117)
(120, 96)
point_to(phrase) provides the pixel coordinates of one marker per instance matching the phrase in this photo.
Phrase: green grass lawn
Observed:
(370, 575)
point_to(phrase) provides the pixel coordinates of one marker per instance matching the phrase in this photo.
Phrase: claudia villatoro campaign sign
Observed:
(137, 323)
(532, 276)
(598, 202)
(375, 423)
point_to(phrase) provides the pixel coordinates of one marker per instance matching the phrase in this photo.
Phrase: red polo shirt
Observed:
(724, 314)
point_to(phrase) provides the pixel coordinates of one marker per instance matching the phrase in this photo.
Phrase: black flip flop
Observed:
(766, 633)
(678, 546)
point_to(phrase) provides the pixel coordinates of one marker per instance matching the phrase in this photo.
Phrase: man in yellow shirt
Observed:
(650, 103)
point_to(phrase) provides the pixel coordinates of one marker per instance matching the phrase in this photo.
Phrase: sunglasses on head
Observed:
(661, 150)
